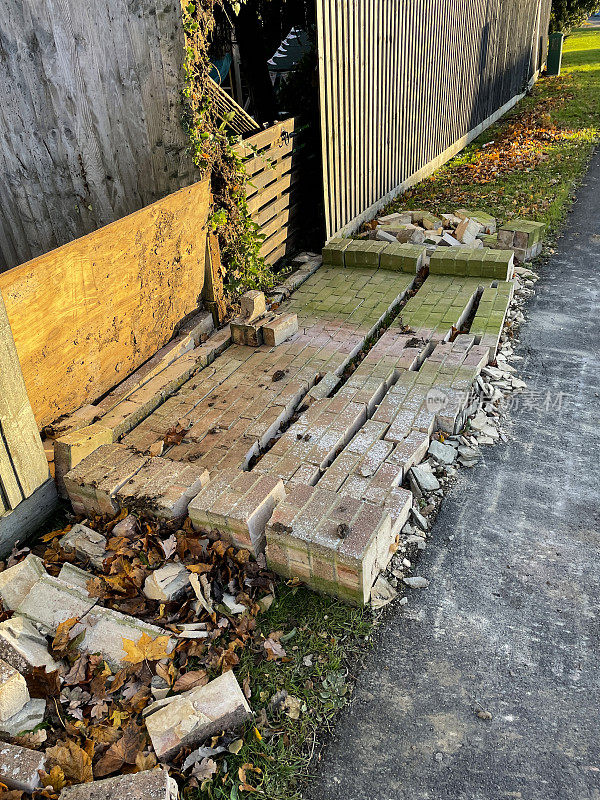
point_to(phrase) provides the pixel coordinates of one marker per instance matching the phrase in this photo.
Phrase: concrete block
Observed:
(87, 544)
(28, 718)
(467, 231)
(154, 784)
(189, 718)
(333, 252)
(19, 767)
(16, 581)
(13, 691)
(167, 583)
(23, 646)
(252, 305)
(279, 329)
(74, 576)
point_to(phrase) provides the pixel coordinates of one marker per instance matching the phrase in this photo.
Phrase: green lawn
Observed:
(567, 108)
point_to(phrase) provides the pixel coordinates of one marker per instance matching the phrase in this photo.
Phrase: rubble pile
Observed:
(117, 644)
(462, 229)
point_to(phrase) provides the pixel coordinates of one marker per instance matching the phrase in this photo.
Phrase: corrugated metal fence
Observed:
(406, 83)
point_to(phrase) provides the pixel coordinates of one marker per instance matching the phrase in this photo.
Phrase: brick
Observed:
(23, 646)
(152, 784)
(72, 448)
(278, 330)
(252, 305)
(189, 718)
(13, 691)
(246, 333)
(19, 767)
(239, 516)
(16, 581)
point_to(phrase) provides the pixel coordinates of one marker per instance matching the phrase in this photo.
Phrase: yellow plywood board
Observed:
(87, 314)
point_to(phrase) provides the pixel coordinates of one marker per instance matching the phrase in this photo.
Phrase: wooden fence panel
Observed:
(405, 85)
(90, 120)
(273, 159)
(87, 314)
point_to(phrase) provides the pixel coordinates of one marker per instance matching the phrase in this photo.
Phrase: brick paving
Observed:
(303, 446)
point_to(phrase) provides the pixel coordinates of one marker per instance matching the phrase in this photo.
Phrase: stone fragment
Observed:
(188, 718)
(167, 583)
(252, 305)
(467, 231)
(28, 718)
(443, 453)
(279, 329)
(448, 240)
(16, 581)
(426, 480)
(23, 646)
(87, 544)
(152, 784)
(13, 691)
(384, 236)
(73, 447)
(417, 582)
(419, 519)
(19, 767)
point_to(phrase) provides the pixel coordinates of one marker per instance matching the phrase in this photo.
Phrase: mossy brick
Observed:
(526, 232)
(363, 254)
(333, 252)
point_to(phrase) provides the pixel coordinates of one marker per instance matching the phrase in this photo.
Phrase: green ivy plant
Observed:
(214, 153)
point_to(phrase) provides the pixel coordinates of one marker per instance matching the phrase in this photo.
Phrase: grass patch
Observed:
(540, 150)
(323, 640)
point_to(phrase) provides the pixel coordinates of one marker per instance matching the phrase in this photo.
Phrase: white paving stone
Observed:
(13, 691)
(19, 767)
(15, 582)
(23, 646)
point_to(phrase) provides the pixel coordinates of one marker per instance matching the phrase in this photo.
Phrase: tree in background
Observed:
(566, 14)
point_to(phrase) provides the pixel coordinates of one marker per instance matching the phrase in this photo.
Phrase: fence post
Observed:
(27, 492)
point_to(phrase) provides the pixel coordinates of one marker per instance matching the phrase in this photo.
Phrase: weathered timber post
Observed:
(27, 492)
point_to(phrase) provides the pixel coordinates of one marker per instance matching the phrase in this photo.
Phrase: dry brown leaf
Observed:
(124, 751)
(144, 761)
(191, 679)
(199, 569)
(74, 761)
(146, 649)
(42, 684)
(273, 647)
(62, 640)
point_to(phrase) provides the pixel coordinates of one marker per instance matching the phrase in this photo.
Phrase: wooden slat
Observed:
(85, 315)
(90, 117)
(401, 83)
(23, 464)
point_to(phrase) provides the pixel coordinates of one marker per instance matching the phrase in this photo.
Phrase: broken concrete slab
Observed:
(25, 720)
(152, 784)
(191, 717)
(13, 691)
(425, 479)
(87, 544)
(167, 583)
(23, 646)
(75, 576)
(16, 581)
(52, 601)
(20, 766)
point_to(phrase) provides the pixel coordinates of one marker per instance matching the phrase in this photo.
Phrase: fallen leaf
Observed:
(236, 746)
(204, 769)
(144, 761)
(124, 751)
(190, 679)
(146, 649)
(55, 778)
(74, 761)
(42, 684)
(274, 649)
(62, 639)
